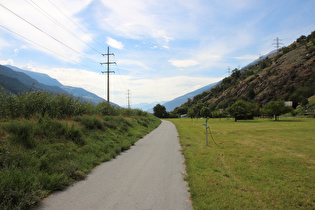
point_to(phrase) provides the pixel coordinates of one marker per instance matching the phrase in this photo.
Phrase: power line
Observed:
(46, 33)
(60, 24)
(76, 24)
(44, 47)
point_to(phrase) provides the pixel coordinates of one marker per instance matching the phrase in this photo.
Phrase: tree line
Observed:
(240, 110)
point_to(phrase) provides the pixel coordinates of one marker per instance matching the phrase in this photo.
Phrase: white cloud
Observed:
(132, 65)
(7, 62)
(16, 51)
(114, 43)
(183, 63)
(247, 57)
(138, 20)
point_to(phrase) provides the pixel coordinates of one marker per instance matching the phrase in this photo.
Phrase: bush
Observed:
(19, 188)
(75, 135)
(106, 109)
(21, 133)
(90, 123)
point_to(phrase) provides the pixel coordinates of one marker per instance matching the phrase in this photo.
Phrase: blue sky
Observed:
(163, 48)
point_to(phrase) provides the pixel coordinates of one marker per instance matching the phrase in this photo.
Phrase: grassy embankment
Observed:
(262, 164)
(49, 141)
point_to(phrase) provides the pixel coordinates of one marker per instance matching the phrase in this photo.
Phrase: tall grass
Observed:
(49, 141)
(28, 104)
(260, 164)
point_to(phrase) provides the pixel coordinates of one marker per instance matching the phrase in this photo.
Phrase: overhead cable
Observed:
(76, 24)
(60, 24)
(44, 47)
(47, 33)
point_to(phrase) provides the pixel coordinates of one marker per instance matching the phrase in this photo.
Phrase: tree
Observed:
(160, 111)
(205, 111)
(191, 113)
(243, 110)
(276, 108)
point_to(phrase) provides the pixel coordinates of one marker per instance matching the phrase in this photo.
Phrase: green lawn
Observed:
(260, 164)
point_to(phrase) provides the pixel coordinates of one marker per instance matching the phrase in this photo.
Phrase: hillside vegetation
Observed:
(48, 141)
(288, 75)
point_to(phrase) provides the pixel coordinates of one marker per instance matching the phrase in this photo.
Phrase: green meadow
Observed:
(259, 164)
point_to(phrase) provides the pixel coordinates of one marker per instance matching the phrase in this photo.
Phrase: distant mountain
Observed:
(84, 94)
(47, 80)
(148, 107)
(171, 105)
(11, 84)
(40, 77)
(17, 82)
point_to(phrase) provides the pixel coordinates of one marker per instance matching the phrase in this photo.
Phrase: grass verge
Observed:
(42, 154)
(261, 164)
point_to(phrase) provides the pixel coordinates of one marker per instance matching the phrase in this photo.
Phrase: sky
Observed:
(162, 48)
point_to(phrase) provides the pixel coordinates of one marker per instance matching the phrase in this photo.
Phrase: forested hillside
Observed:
(288, 75)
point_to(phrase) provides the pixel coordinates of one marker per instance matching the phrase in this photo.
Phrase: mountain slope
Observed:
(11, 84)
(40, 77)
(171, 105)
(47, 80)
(14, 78)
(287, 75)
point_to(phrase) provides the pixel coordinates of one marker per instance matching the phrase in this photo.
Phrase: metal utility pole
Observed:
(277, 43)
(107, 72)
(229, 71)
(128, 97)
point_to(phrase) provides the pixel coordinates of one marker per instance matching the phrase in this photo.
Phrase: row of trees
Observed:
(240, 110)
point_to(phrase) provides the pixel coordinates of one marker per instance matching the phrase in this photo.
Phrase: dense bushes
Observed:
(29, 104)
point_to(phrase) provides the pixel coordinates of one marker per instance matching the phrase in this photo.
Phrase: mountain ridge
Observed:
(288, 75)
(48, 81)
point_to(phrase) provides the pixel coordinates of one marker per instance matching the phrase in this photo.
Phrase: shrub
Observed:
(21, 133)
(106, 109)
(90, 123)
(75, 135)
(19, 188)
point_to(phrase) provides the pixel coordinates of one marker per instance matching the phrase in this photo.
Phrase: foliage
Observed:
(261, 164)
(243, 110)
(205, 112)
(160, 111)
(29, 104)
(276, 108)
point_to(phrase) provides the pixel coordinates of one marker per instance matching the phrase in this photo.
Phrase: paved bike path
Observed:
(147, 176)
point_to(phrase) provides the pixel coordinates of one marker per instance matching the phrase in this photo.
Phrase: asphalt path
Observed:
(147, 176)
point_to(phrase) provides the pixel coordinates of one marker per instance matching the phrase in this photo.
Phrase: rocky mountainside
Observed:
(287, 75)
